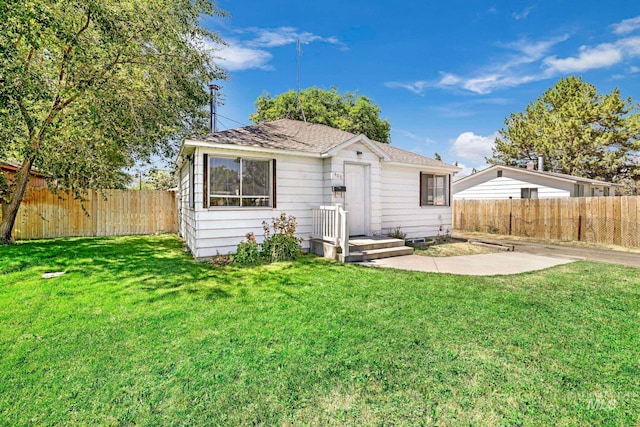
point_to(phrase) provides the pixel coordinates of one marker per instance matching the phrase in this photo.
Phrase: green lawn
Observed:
(136, 332)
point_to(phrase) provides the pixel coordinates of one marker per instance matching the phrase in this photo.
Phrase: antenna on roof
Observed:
(213, 98)
(299, 54)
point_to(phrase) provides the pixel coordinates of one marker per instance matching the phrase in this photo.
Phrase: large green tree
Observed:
(577, 130)
(349, 112)
(87, 87)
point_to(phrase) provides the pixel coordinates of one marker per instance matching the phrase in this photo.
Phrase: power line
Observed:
(222, 123)
(230, 119)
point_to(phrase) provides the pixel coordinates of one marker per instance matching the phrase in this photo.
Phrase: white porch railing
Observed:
(330, 225)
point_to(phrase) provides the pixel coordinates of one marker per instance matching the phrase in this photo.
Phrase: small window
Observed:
(578, 190)
(434, 190)
(499, 174)
(192, 178)
(606, 192)
(528, 193)
(239, 182)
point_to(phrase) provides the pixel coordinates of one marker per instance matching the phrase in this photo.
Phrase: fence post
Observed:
(579, 227)
(510, 215)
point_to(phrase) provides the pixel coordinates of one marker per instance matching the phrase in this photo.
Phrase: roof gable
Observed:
(361, 139)
(549, 175)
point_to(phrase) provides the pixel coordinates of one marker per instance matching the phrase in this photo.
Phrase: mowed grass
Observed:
(136, 332)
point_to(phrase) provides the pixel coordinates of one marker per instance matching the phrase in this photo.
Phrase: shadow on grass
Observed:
(155, 264)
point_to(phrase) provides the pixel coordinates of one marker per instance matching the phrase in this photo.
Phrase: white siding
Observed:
(401, 205)
(489, 186)
(303, 183)
(186, 215)
(299, 188)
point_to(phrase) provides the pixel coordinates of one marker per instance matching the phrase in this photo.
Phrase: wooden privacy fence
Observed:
(45, 215)
(608, 220)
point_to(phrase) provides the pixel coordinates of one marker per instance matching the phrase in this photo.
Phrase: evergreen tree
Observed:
(577, 130)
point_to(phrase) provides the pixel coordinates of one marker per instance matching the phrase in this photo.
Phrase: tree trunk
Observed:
(10, 210)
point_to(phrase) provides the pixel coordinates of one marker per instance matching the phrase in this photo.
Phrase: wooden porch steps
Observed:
(368, 248)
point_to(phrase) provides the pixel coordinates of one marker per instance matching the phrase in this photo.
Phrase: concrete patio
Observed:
(474, 265)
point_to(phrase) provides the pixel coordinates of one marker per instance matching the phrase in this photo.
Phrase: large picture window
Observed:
(240, 182)
(434, 190)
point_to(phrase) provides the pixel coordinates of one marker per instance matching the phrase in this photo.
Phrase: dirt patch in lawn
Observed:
(455, 249)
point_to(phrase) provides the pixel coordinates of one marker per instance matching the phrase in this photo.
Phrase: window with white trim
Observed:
(240, 182)
(434, 190)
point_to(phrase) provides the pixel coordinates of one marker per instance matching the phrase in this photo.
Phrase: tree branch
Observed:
(26, 116)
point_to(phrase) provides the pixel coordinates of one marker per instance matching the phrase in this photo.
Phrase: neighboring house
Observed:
(9, 170)
(232, 181)
(503, 182)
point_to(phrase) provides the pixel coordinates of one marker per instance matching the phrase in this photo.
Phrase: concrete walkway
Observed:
(629, 257)
(474, 265)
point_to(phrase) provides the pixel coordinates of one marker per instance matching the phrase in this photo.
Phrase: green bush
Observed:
(247, 252)
(280, 242)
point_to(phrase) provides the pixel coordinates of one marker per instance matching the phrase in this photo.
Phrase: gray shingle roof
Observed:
(294, 135)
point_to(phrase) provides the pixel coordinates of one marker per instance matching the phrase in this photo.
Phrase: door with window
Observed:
(355, 179)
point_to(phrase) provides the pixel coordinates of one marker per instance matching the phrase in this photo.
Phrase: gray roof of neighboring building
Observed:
(294, 135)
(562, 176)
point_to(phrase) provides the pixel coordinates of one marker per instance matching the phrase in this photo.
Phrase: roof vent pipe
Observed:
(540, 163)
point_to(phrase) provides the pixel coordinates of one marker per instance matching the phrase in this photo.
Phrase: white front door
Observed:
(355, 198)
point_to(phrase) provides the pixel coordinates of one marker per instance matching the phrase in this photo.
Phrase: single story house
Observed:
(504, 182)
(231, 181)
(9, 170)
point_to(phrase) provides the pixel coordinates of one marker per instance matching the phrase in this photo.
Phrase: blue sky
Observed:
(445, 74)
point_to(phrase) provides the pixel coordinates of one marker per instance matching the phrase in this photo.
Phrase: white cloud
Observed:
(473, 148)
(589, 58)
(281, 36)
(528, 51)
(449, 79)
(523, 14)
(497, 76)
(531, 62)
(600, 56)
(235, 57)
(415, 87)
(626, 26)
(254, 53)
(467, 170)
(487, 83)
(630, 46)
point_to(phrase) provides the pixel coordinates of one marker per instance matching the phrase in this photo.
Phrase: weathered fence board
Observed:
(605, 220)
(45, 215)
